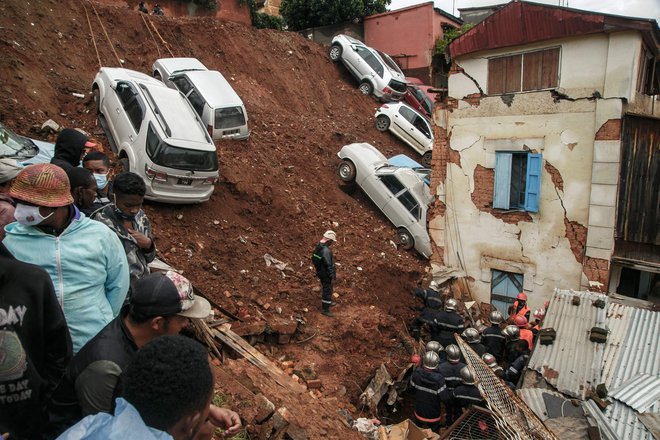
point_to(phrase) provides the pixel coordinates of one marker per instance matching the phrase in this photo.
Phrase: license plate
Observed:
(184, 181)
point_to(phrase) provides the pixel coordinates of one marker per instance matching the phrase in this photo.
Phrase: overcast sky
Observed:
(632, 8)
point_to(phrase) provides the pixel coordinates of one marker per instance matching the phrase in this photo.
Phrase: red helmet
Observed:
(539, 314)
(520, 321)
(521, 296)
(416, 359)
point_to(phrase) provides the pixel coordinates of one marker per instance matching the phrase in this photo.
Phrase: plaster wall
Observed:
(538, 248)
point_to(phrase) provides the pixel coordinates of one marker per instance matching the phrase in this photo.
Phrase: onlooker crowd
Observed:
(83, 322)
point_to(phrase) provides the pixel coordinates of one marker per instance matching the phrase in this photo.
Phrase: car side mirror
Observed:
(354, 47)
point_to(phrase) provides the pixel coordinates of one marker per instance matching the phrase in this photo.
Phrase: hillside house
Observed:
(408, 35)
(547, 155)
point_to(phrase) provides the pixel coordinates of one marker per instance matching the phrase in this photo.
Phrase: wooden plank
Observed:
(550, 69)
(513, 73)
(496, 73)
(240, 345)
(532, 70)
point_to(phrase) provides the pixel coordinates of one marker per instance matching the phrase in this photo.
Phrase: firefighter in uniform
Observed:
(430, 392)
(472, 337)
(490, 360)
(512, 334)
(324, 262)
(431, 296)
(448, 322)
(451, 371)
(467, 393)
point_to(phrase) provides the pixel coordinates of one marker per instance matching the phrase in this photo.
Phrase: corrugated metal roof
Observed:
(533, 397)
(573, 364)
(640, 393)
(520, 23)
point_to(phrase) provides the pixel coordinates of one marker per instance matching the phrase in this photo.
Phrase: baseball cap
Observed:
(43, 184)
(167, 293)
(9, 169)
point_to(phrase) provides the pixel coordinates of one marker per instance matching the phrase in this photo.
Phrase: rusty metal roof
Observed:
(520, 23)
(628, 363)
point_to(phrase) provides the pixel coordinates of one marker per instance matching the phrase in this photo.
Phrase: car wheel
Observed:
(125, 164)
(366, 88)
(335, 52)
(346, 171)
(406, 240)
(426, 159)
(382, 122)
(97, 99)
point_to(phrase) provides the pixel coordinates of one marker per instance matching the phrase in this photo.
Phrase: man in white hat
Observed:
(324, 262)
(9, 169)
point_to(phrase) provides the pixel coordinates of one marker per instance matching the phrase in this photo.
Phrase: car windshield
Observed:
(398, 86)
(166, 155)
(229, 117)
(390, 62)
(15, 146)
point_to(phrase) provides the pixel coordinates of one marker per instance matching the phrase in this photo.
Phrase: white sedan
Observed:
(409, 126)
(399, 192)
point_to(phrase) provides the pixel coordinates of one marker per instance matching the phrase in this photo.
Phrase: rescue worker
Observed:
(525, 333)
(490, 360)
(425, 319)
(142, 8)
(447, 322)
(519, 307)
(538, 316)
(431, 296)
(516, 367)
(512, 334)
(467, 393)
(438, 348)
(450, 370)
(324, 262)
(492, 337)
(472, 337)
(430, 392)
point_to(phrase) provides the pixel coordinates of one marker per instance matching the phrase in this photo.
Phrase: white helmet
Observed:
(451, 304)
(431, 360)
(489, 360)
(467, 376)
(496, 317)
(434, 286)
(434, 346)
(471, 335)
(330, 235)
(512, 332)
(453, 353)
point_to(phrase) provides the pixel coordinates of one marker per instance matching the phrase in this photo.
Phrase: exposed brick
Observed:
(265, 409)
(249, 328)
(554, 173)
(314, 384)
(482, 197)
(609, 131)
(473, 99)
(597, 269)
(283, 326)
(577, 237)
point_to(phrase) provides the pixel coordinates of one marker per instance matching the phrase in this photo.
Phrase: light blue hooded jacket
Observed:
(87, 265)
(125, 424)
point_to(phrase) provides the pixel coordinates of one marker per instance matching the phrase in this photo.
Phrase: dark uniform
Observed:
(324, 262)
(478, 347)
(430, 297)
(452, 375)
(446, 324)
(430, 392)
(516, 368)
(425, 318)
(466, 395)
(510, 352)
(494, 341)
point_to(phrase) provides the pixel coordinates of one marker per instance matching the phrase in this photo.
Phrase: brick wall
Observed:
(482, 197)
(598, 270)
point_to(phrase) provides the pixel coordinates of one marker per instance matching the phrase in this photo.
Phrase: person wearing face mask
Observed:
(128, 220)
(99, 164)
(84, 258)
(83, 189)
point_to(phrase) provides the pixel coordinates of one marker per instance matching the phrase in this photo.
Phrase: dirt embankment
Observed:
(278, 191)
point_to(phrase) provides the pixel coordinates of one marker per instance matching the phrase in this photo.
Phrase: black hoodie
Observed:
(68, 148)
(31, 325)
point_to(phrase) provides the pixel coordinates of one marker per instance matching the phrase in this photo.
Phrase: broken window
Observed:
(504, 287)
(648, 81)
(528, 71)
(517, 181)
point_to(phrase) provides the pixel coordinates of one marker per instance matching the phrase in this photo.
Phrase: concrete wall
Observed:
(576, 128)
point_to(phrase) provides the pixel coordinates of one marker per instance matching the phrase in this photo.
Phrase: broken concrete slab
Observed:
(265, 409)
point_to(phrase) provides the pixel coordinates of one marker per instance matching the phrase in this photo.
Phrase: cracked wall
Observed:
(554, 248)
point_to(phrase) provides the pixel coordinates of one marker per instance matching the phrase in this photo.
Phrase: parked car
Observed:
(212, 97)
(397, 191)
(376, 72)
(401, 160)
(409, 126)
(24, 150)
(156, 134)
(418, 100)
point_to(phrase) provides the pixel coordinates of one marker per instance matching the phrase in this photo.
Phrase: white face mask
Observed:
(29, 215)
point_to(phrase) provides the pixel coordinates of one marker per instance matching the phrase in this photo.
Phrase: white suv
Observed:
(156, 134)
(376, 72)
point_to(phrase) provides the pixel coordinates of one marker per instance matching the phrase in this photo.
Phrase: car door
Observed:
(127, 112)
(422, 134)
(400, 204)
(402, 126)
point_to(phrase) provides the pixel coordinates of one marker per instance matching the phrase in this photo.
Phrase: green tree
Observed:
(302, 14)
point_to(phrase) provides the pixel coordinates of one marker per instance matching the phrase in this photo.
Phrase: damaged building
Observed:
(547, 154)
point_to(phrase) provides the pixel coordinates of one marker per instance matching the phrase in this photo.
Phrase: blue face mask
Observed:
(101, 180)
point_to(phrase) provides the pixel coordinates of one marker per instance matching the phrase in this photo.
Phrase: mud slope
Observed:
(278, 191)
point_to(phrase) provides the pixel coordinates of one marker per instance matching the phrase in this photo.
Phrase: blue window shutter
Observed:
(533, 182)
(502, 187)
